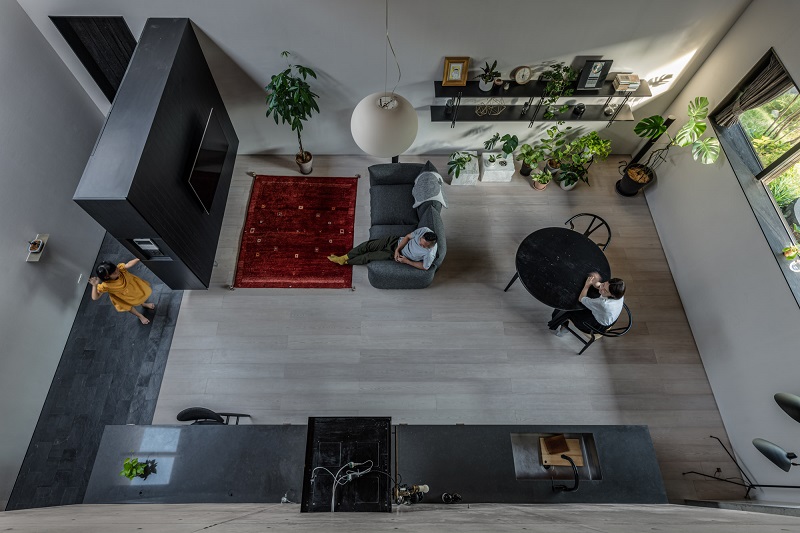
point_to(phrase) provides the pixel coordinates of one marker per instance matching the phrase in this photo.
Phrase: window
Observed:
(764, 111)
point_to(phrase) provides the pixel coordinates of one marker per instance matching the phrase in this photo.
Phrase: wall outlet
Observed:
(80, 277)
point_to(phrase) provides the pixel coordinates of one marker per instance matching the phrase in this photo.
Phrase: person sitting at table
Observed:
(417, 249)
(601, 312)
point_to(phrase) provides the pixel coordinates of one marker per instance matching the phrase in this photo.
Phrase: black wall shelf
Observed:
(535, 88)
(512, 113)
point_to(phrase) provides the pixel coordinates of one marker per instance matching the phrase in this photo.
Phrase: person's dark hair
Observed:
(430, 236)
(616, 287)
(104, 270)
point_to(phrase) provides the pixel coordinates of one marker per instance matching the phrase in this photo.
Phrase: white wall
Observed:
(742, 313)
(343, 41)
(48, 127)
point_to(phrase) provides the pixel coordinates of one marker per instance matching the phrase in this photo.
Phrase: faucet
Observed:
(564, 488)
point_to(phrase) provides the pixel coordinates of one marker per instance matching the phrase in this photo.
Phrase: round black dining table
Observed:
(553, 263)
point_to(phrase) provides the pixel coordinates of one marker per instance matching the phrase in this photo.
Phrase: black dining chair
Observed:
(207, 417)
(596, 334)
(596, 223)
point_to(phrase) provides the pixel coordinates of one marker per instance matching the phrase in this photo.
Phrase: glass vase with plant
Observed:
(487, 76)
(291, 100)
(559, 78)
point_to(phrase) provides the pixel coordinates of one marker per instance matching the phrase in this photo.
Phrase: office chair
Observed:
(207, 417)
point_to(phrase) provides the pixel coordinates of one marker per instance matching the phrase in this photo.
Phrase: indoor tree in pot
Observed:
(637, 175)
(290, 99)
(487, 77)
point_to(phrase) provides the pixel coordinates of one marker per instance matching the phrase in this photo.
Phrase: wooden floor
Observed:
(421, 518)
(461, 351)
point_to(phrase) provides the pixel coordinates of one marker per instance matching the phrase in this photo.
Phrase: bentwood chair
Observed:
(207, 417)
(596, 334)
(596, 223)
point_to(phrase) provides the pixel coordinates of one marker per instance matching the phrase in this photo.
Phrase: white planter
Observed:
(567, 187)
(484, 85)
(470, 174)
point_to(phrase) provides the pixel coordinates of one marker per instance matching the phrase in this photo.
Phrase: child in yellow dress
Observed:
(125, 290)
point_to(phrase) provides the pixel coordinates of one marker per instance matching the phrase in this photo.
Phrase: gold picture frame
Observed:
(456, 71)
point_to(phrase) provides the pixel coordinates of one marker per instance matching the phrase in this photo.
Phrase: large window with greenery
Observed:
(765, 111)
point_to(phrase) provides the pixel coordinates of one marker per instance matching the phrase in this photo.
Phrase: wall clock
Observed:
(522, 75)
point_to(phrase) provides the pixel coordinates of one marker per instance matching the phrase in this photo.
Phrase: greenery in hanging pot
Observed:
(510, 143)
(291, 100)
(559, 78)
(540, 179)
(458, 162)
(487, 77)
(132, 468)
(705, 150)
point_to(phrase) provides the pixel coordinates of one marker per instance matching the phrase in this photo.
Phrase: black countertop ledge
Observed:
(254, 463)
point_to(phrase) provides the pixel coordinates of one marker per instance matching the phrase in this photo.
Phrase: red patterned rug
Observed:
(293, 224)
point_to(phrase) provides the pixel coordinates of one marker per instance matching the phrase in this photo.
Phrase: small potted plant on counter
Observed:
(487, 77)
(291, 100)
(132, 468)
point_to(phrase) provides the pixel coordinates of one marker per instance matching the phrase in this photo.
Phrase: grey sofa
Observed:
(392, 214)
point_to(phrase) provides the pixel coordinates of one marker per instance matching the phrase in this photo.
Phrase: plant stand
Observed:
(496, 172)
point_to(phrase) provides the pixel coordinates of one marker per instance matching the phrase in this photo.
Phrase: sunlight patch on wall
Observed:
(661, 79)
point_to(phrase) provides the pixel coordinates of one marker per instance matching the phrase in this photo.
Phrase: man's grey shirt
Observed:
(416, 252)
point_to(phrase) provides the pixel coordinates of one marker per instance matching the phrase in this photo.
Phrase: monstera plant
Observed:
(705, 150)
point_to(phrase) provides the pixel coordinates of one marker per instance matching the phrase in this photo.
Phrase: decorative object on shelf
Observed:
(790, 403)
(448, 107)
(492, 106)
(498, 82)
(510, 143)
(290, 99)
(579, 109)
(455, 71)
(384, 124)
(559, 78)
(487, 77)
(635, 175)
(132, 468)
(522, 74)
(540, 179)
(791, 254)
(610, 109)
(779, 457)
(626, 82)
(594, 73)
(35, 246)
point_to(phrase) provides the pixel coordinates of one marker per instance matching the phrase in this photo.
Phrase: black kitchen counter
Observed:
(220, 464)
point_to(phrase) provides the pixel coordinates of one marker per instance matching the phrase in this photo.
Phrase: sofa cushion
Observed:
(391, 204)
(397, 173)
(425, 205)
(390, 230)
(392, 275)
(433, 220)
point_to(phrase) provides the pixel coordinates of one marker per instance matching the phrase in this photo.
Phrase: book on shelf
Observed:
(626, 82)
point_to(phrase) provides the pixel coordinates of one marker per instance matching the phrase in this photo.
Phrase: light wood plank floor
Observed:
(461, 351)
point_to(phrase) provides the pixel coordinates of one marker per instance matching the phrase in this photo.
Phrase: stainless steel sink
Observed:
(528, 458)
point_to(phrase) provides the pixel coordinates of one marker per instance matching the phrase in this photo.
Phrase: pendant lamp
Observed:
(384, 124)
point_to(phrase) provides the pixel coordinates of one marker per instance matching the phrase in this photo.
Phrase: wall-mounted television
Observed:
(208, 162)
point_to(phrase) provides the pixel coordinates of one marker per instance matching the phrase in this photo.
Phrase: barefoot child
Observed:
(125, 290)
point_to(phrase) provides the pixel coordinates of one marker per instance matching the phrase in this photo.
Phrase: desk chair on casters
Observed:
(596, 334)
(207, 417)
(596, 223)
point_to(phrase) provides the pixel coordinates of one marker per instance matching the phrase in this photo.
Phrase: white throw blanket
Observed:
(428, 186)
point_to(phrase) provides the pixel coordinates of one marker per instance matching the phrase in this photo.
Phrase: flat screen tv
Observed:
(208, 162)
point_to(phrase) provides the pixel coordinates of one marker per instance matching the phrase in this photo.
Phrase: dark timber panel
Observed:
(135, 182)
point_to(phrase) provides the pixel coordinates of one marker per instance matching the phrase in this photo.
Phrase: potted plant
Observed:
(791, 253)
(530, 157)
(510, 143)
(637, 175)
(559, 78)
(540, 179)
(555, 147)
(132, 468)
(487, 77)
(579, 156)
(457, 164)
(290, 99)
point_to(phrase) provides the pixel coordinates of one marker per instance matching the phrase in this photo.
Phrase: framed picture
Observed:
(455, 71)
(594, 73)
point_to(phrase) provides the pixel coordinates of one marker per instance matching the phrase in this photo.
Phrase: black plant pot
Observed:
(627, 186)
(525, 170)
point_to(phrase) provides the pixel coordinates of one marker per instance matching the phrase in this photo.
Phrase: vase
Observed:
(634, 178)
(305, 162)
(485, 86)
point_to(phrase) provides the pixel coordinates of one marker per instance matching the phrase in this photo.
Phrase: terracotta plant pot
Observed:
(304, 161)
(538, 186)
(634, 178)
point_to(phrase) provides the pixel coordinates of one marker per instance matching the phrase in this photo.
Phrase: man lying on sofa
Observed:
(417, 249)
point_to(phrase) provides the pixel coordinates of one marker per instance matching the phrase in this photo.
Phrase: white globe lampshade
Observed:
(384, 124)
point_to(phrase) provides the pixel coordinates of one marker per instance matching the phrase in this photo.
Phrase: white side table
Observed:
(470, 174)
(495, 172)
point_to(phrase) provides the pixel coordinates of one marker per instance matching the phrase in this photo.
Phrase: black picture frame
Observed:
(594, 73)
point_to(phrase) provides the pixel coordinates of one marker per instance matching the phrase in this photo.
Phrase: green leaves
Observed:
(706, 151)
(458, 162)
(131, 468)
(690, 132)
(698, 108)
(650, 127)
(488, 145)
(290, 99)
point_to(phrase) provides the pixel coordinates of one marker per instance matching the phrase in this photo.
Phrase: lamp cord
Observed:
(388, 46)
